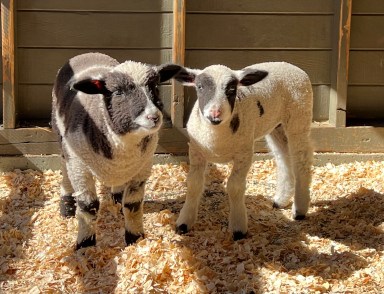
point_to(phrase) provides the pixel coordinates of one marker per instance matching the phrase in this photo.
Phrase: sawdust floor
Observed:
(337, 249)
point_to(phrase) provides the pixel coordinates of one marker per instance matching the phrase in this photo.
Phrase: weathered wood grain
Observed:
(94, 30)
(8, 63)
(367, 32)
(367, 67)
(212, 31)
(340, 63)
(178, 57)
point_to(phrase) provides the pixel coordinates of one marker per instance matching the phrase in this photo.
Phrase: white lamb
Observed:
(234, 108)
(107, 116)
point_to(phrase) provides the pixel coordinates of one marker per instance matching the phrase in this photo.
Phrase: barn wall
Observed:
(366, 71)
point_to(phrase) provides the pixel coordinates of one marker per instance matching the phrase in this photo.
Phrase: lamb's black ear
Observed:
(90, 86)
(250, 76)
(167, 71)
(187, 76)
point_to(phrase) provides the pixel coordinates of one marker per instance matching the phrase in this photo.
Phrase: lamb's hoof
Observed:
(239, 235)
(275, 205)
(117, 197)
(67, 206)
(90, 241)
(299, 217)
(182, 229)
(131, 238)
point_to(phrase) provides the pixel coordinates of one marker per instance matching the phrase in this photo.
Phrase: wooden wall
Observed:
(339, 43)
(366, 71)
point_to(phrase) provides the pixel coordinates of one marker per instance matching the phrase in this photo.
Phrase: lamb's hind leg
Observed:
(195, 187)
(278, 144)
(301, 155)
(238, 221)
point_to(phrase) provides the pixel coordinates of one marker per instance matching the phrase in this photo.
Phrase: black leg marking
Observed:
(67, 206)
(135, 186)
(92, 208)
(235, 123)
(275, 205)
(90, 241)
(134, 206)
(131, 238)
(117, 197)
(182, 229)
(238, 235)
(299, 217)
(261, 109)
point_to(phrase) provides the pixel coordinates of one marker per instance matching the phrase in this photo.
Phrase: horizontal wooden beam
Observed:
(38, 141)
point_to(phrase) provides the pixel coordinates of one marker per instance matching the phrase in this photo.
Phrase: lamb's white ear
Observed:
(187, 76)
(250, 76)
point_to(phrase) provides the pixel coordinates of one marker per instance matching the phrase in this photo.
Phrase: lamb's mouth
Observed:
(214, 120)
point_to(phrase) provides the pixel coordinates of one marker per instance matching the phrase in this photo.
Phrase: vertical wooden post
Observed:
(178, 56)
(340, 63)
(8, 58)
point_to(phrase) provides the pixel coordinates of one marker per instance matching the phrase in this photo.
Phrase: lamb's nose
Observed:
(153, 117)
(215, 113)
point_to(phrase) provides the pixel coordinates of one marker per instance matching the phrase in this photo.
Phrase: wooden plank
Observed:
(316, 63)
(326, 139)
(286, 6)
(368, 6)
(214, 31)
(55, 29)
(365, 102)
(366, 68)
(367, 32)
(8, 62)
(178, 57)
(40, 66)
(340, 61)
(35, 101)
(94, 5)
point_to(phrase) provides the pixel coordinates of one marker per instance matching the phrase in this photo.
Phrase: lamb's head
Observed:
(130, 94)
(216, 88)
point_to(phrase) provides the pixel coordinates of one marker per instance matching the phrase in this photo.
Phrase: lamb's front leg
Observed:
(195, 187)
(133, 207)
(238, 221)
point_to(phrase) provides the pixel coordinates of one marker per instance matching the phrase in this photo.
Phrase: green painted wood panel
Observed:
(249, 6)
(368, 6)
(94, 5)
(366, 67)
(94, 30)
(367, 32)
(39, 66)
(315, 63)
(217, 31)
(365, 102)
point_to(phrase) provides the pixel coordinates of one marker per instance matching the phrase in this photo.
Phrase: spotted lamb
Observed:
(107, 116)
(233, 109)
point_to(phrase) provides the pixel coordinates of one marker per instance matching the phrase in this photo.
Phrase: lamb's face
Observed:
(133, 103)
(131, 95)
(216, 88)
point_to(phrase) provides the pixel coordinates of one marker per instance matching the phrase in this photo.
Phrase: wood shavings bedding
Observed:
(337, 249)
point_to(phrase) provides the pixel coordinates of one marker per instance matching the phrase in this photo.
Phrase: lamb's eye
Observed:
(118, 92)
(200, 86)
